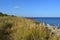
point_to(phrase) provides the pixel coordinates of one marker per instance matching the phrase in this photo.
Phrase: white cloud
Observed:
(16, 7)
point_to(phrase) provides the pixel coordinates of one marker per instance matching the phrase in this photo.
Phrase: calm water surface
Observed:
(54, 21)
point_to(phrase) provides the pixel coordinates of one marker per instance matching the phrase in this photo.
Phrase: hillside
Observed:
(18, 28)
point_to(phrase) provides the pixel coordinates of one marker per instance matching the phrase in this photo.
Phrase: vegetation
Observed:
(17, 28)
(1, 14)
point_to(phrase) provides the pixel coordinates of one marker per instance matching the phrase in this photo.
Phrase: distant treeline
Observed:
(2, 14)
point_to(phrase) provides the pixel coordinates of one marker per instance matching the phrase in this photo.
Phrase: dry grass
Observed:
(16, 28)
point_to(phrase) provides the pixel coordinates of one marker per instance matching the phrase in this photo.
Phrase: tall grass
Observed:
(15, 28)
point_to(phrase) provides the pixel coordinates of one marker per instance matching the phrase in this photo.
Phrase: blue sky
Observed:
(31, 8)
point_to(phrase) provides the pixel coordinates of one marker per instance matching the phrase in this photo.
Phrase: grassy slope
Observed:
(16, 28)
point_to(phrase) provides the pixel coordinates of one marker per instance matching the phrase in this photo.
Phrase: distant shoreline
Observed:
(41, 17)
